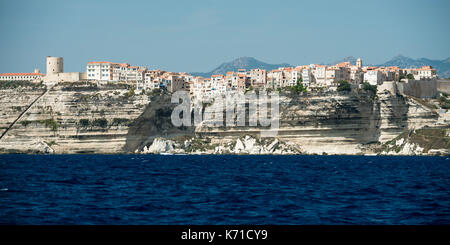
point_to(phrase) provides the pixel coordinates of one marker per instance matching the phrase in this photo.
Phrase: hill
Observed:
(240, 63)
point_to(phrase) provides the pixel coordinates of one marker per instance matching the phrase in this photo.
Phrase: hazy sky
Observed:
(199, 35)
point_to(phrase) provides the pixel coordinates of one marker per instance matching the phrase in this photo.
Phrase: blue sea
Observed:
(215, 189)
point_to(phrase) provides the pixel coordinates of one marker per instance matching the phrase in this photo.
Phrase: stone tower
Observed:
(54, 65)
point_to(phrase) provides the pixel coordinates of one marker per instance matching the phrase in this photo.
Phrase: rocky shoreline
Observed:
(249, 145)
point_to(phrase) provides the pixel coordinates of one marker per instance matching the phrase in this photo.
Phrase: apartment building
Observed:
(236, 81)
(110, 71)
(296, 74)
(218, 84)
(307, 77)
(100, 70)
(291, 75)
(152, 80)
(257, 78)
(320, 75)
(425, 73)
(274, 78)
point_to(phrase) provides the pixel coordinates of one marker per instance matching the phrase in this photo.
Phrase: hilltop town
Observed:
(311, 77)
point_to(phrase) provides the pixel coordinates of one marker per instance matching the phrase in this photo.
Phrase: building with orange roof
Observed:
(257, 78)
(158, 79)
(425, 73)
(112, 71)
(32, 76)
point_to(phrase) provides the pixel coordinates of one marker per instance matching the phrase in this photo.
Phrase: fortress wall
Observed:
(66, 77)
(443, 86)
(418, 88)
(390, 86)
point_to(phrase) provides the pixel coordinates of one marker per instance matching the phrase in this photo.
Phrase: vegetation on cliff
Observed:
(18, 84)
(444, 101)
(49, 123)
(344, 86)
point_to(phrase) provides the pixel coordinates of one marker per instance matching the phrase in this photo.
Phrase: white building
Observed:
(35, 76)
(426, 72)
(110, 71)
(218, 84)
(374, 77)
(307, 77)
(320, 75)
(101, 71)
(201, 88)
(295, 75)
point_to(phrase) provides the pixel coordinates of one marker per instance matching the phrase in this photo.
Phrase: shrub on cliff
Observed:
(444, 102)
(154, 92)
(79, 86)
(299, 88)
(121, 121)
(50, 123)
(100, 122)
(25, 122)
(84, 123)
(407, 76)
(344, 86)
(116, 85)
(249, 89)
(371, 88)
(17, 84)
(130, 93)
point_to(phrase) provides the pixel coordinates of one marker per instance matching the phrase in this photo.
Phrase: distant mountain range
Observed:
(247, 63)
(442, 66)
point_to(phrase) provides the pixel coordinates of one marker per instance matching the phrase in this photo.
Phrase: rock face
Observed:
(152, 123)
(13, 102)
(90, 118)
(69, 118)
(338, 123)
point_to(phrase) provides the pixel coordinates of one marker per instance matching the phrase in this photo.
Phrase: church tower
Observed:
(359, 63)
